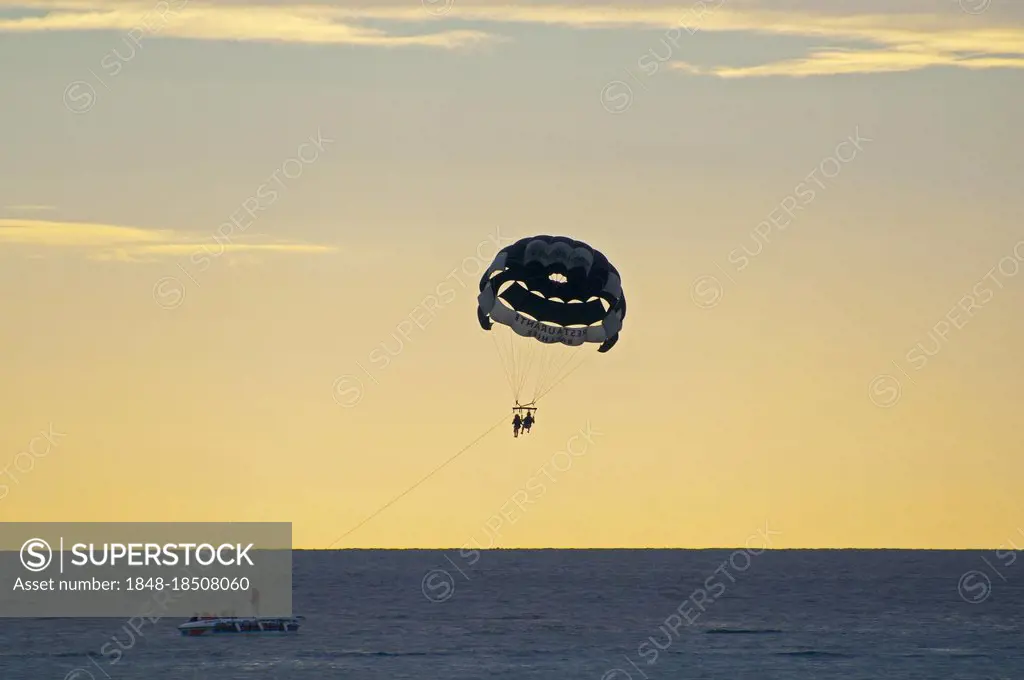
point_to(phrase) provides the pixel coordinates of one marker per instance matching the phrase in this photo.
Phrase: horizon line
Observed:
(651, 549)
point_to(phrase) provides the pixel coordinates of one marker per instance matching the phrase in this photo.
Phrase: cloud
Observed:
(313, 23)
(189, 248)
(838, 62)
(38, 232)
(865, 36)
(895, 44)
(28, 207)
(133, 244)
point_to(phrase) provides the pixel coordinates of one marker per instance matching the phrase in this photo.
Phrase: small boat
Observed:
(232, 624)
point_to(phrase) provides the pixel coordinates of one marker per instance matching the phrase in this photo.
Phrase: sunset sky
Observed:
(815, 213)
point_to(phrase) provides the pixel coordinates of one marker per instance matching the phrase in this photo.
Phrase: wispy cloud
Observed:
(197, 20)
(877, 44)
(134, 244)
(28, 207)
(75, 234)
(865, 37)
(838, 62)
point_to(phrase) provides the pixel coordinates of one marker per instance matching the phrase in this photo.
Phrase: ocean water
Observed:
(560, 614)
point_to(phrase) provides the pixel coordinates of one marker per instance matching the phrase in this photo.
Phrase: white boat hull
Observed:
(236, 625)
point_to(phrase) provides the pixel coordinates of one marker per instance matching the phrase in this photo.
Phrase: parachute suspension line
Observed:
(555, 377)
(513, 369)
(532, 353)
(529, 351)
(504, 356)
(559, 360)
(525, 363)
(504, 366)
(542, 374)
(532, 369)
(520, 375)
(540, 367)
(560, 380)
(556, 365)
(520, 352)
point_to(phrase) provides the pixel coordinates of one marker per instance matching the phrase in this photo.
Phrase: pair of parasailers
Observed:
(520, 422)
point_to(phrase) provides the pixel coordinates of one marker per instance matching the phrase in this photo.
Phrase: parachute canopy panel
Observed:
(555, 290)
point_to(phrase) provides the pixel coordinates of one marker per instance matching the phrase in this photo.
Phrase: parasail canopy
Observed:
(549, 290)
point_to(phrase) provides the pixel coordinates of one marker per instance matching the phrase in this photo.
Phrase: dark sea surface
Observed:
(611, 614)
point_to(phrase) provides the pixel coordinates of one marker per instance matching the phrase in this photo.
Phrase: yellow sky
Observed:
(214, 223)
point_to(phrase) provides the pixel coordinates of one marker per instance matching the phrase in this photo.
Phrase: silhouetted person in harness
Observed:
(528, 421)
(516, 424)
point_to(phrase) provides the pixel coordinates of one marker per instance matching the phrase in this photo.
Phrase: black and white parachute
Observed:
(544, 291)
